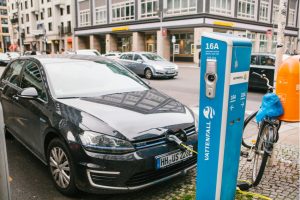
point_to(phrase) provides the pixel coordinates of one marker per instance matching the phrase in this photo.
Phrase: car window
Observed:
(267, 60)
(137, 57)
(12, 75)
(154, 57)
(124, 56)
(253, 60)
(31, 77)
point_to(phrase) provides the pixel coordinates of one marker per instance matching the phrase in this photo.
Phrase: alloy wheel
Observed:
(60, 167)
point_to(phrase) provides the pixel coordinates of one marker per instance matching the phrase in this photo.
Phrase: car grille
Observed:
(161, 139)
(153, 175)
(103, 179)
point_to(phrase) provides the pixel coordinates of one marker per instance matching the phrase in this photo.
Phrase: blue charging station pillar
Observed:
(224, 73)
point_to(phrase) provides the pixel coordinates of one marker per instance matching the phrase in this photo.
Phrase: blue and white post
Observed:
(224, 73)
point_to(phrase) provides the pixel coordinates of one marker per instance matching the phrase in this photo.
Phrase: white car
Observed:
(88, 52)
(113, 55)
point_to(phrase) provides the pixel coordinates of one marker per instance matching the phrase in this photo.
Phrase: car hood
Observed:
(162, 63)
(134, 115)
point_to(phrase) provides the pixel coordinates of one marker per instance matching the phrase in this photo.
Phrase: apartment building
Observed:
(4, 27)
(150, 25)
(46, 25)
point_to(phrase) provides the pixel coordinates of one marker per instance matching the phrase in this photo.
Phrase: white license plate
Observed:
(171, 71)
(169, 159)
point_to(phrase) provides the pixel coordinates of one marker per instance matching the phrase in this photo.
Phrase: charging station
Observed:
(224, 73)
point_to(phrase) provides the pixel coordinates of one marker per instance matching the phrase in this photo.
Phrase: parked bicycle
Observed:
(259, 138)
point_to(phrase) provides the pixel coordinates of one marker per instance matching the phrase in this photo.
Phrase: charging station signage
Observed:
(224, 73)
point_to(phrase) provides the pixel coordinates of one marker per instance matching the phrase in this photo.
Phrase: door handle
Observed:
(15, 98)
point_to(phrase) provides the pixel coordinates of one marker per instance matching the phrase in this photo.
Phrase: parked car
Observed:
(28, 53)
(113, 55)
(262, 63)
(149, 65)
(98, 126)
(4, 59)
(13, 55)
(88, 52)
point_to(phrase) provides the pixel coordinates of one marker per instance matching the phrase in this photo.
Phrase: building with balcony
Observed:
(46, 25)
(4, 27)
(150, 25)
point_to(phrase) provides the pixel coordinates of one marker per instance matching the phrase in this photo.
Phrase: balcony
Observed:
(59, 3)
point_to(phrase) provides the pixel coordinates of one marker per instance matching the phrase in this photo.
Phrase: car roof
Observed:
(61, 58)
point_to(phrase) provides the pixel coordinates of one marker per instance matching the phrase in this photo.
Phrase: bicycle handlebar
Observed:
(263, 76)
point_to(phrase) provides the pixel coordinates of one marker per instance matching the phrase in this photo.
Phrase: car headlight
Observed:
(101, 143)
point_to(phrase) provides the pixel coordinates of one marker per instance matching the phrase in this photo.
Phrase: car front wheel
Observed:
(148, 74)
(61, 167)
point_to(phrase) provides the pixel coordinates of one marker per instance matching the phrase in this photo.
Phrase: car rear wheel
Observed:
(61, 167)
(148, 74)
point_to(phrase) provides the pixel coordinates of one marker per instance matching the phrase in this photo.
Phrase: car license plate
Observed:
(169, 159)
(171, 71)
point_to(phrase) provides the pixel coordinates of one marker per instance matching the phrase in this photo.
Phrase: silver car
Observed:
(149, 65)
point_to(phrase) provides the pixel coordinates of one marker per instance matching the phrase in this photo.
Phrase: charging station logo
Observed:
(209, 112)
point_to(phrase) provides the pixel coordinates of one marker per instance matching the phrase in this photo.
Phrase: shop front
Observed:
(124, 43)
(183, 47)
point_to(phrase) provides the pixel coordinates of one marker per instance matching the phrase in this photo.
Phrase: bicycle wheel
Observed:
(250, 131)
(261, 151)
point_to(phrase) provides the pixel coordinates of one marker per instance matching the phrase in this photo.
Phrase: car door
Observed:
(9, 87)
(139, 64)
(129, 62)
(31, 113)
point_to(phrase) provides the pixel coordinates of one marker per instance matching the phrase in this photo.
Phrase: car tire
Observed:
(148, 74)
(61, 167)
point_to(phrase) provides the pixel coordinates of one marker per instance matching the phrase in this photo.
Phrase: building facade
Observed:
(4, 27)
(150, 25)
(46, 25)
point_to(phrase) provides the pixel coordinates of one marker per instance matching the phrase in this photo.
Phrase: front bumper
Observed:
(165, 74)
(100, 173)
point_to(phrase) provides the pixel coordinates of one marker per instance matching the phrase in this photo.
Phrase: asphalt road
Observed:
(32, 181)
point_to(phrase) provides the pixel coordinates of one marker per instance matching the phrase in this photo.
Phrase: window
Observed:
(262, 43)
(61, 11)
(3, 11)
(5, 30)
(31, 3)
(267, 60)
(13, 74)
(12, 6)
(223, 7)
(123, 11)
(84, 13)
(68, 9)
(31, 77)
(177, 7)
(127, 56)
(49, 12)
(264, 11)
(27, 17)
(137, 57)
(42, 1)
(101, 17)
(247, 9)
(27, 30)
(42, 15)
(148, 8)
(4, 21)
(292, 13)
(26, 5)
(253, 60)
(49, 26)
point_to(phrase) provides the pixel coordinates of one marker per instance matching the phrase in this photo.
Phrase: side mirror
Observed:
(139, 61)
(29, 93)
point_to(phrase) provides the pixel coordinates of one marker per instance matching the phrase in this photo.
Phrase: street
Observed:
(32, 181)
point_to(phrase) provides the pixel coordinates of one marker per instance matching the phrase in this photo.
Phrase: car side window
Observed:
(31, 77)
(13, 73)
(129, 56)
(267, 60)
(253, 60)
(137, 57)
(124, 57)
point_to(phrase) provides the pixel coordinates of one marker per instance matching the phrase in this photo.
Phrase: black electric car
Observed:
(96, 124)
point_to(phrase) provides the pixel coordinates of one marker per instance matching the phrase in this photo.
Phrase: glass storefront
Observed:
(124, 43)
(151, 43)
(184, 46)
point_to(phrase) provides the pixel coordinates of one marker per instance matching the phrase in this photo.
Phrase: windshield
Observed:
(154, 57)
(89, 79)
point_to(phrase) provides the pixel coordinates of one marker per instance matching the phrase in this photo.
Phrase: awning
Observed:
(69, 39)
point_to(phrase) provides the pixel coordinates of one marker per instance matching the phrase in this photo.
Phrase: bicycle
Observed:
(260, 149)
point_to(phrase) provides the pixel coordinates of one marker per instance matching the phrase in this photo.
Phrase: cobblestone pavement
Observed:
(280, 181)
